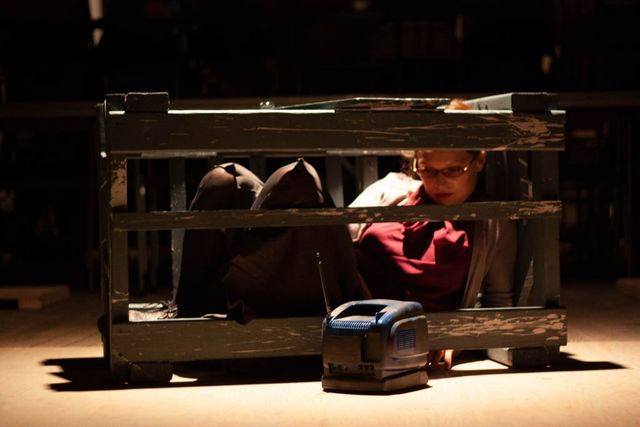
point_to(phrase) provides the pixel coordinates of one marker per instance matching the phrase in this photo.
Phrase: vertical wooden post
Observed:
(333, 167)
(104, 225)
(119, 277)
(258, 165)
(520, 188)
(118, 245)
(546, 252)
(141, 236)
(496, 173)
(118, 257)
(533, 176)
(154, 240)
(367, 171)
(178, 202)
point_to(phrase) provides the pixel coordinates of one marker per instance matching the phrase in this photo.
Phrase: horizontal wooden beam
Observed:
(468, 329)
(516, 101)
(300, 131)
(204, 339)
(230, 218)
(209, 339)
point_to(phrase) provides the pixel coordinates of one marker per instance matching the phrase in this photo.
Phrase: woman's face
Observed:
(434, 166)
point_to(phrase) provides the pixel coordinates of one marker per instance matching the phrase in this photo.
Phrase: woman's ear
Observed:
(480, 161)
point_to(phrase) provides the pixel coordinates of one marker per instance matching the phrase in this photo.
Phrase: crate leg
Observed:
(156, 372)
(524, 358)
(140, 372)
(119, 368)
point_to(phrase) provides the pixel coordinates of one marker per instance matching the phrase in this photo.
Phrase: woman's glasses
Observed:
(450, 172)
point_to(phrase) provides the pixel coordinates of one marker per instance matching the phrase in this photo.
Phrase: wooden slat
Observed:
(373, 103)
(333, 173)
(203, 339)
(367, 171)
(104, 197)
(178, 202)
(230, 218)
(517, 101)
(140, 203)
(286, 131)
(495, 328)
(546, 240)
(118, 276)
(118, 183)
(117, 244)
(521, 188)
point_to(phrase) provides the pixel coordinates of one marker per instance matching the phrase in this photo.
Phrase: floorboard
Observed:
(50, 363)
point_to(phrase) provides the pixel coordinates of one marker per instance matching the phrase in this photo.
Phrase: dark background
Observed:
(53, 69)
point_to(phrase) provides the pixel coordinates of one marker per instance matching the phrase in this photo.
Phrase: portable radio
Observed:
(376, 345)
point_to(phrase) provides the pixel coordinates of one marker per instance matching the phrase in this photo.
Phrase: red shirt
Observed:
(422, 261)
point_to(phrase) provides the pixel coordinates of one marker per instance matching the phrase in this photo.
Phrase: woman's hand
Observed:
(440, 359)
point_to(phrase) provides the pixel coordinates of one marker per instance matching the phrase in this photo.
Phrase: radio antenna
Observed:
(323, 284)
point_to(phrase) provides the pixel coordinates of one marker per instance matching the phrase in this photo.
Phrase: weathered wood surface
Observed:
(105, 201)
(202, 339)
(493, 328)
(516, 101)
(546, 237)
(118, 279)
(230, 218)
(118, 183)
(373, 103)
(147, 130)
(178, 202)
(190, 133)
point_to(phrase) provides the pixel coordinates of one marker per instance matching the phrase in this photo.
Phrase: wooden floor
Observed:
(52, 373)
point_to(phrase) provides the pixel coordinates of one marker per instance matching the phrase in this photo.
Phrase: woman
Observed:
(442, 264)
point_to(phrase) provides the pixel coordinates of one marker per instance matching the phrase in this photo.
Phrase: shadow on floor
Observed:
(563, 363)
(92, 374)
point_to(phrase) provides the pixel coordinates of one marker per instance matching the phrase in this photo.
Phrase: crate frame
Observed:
(526, 127)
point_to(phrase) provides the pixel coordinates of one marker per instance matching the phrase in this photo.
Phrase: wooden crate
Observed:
(526, 128)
